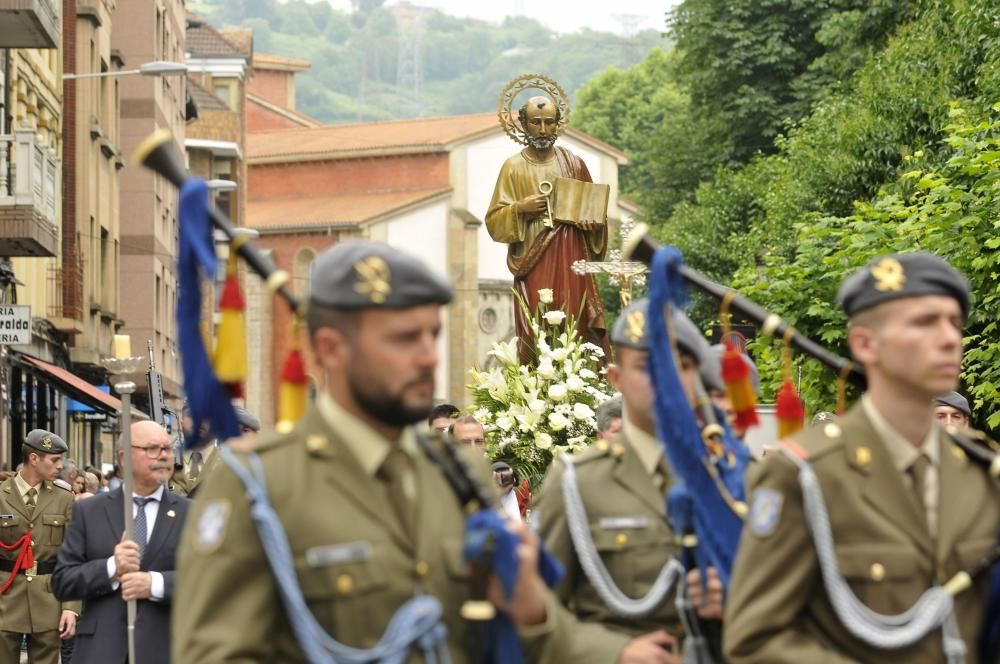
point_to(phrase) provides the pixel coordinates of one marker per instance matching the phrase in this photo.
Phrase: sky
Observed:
(618, 16)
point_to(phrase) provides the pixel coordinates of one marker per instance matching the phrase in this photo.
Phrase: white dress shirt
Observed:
(152, 509)
(509, 506)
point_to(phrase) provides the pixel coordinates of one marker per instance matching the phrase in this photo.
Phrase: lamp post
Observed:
(155, 68)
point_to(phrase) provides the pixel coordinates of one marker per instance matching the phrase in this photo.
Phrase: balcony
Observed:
(29, 180)
(29, 24)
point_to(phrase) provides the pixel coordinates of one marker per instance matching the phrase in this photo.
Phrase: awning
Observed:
(81, 390)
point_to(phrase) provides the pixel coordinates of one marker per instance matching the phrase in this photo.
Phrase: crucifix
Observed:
(624, 274)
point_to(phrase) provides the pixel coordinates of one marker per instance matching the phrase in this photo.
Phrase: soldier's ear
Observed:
(331, 347)
(614, 376)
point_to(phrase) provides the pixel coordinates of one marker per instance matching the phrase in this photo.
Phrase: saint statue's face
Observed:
(540, 119)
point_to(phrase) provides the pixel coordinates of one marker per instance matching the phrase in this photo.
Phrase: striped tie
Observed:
(139, 524)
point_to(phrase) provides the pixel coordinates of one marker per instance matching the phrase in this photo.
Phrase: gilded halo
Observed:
(508, 116)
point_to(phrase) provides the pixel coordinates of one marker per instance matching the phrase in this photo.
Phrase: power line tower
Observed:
(629, 25)
(409, 66)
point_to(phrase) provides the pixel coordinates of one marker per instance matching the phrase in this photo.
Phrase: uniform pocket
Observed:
(341, 596)
(887, 578)
(11, 530)
(55, 528)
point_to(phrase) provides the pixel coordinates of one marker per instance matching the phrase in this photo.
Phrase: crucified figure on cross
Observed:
(624, 274)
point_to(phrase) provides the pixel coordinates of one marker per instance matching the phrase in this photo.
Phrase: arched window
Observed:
(302, 271)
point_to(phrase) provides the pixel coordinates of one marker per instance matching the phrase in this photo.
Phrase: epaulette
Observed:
(66, 488)
(974, 436)
(976, 446)
(601, 449)
(814, 442)
(263, 443)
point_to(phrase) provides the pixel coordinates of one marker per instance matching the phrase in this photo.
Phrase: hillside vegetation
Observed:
(463, 64)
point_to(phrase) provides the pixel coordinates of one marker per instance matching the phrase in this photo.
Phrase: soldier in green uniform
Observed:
(370, 520)
(30, 502)
(906, 508)
(200, 463)
(623, 487)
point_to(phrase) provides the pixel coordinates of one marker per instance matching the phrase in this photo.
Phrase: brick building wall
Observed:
(274, 86)
(260, 118)
(410, 172)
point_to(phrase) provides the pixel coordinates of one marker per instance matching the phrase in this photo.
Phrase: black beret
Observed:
(499, 466)
(955, 400)
(630, 331)
(902, 275)
(363, 275)
(45, 442)
(246, 419)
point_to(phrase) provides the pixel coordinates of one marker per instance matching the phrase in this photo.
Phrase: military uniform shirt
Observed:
(369, 448)
(904, 454)
(650, 453)
(23, 487)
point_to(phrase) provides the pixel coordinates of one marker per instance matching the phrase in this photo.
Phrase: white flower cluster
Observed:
(532, 413)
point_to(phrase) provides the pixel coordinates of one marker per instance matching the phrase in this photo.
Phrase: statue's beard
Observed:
(542, 141)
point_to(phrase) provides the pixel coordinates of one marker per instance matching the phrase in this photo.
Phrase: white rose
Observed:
(557, 392)
(555, 317)
(560, 354)
(537, 406)
(546, 370)
(545, 295)
(557, 422)
(575, 383)
(543, 441)
(582, 411)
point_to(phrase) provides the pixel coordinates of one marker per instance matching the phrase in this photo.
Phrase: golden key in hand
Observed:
(545, 188)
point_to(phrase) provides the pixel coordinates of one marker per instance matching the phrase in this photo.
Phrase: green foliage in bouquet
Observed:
(532, 413)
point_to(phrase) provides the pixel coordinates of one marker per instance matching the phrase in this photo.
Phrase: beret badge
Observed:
(373, 279)
(889, 275)
(47, 443)
(636, 326)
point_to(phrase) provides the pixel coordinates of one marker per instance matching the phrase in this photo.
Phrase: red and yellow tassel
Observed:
(736, 375)
(788, 407)
(230, 360)
(293, 393)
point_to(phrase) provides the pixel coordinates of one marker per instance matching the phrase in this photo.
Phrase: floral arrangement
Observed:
(532, 413)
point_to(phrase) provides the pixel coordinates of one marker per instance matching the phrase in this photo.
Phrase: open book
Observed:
(574, 201)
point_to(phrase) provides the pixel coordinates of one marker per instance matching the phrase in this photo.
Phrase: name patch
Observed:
(623, 523)
(338, 554)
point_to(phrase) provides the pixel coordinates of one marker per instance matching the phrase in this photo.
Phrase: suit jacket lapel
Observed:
(883, 486)
(163, 525)
(632, 476)
(343, 471)
(114, 511)
(13, 497)
(954, 516)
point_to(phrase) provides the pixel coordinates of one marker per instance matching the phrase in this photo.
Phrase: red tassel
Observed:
(736, 376)
(789, 409)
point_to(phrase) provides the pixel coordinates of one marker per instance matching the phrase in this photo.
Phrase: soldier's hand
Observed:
(653, 648)
(527, 606)
(67, 625)
(126, 557)
(137, 585)
(708, 604)
(531, 204)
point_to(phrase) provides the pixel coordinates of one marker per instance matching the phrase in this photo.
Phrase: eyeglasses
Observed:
(154, 451)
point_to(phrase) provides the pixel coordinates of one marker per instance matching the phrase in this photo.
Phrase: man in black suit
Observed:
(96, 562)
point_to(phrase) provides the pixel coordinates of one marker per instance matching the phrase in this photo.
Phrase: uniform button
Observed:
(31, 525)
(422, 568)
(621, 539)
(877, 571)
(345, 584)
(29, 578)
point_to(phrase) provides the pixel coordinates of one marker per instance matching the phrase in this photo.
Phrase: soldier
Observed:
(370, 520)
(623, 486)
(905, 509)
(187, 478)
(952, 409)
(33, 507)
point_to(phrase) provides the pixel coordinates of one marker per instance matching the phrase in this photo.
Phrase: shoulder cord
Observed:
(415, 623)
(934, 609)
(594, 568)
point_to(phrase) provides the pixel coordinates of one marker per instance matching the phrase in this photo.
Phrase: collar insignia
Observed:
(373, 279)
(889, 275)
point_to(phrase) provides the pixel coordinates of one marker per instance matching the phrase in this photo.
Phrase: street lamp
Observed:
(156, 68)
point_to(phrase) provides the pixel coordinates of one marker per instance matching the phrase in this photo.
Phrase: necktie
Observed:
(139, 523)
(918, 472)
(196, 463)
(392, 471)
(30, 500)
